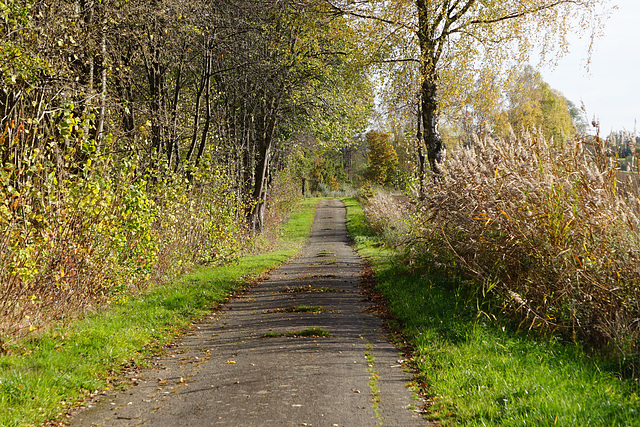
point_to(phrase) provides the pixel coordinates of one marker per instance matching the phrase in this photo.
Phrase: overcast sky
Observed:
(611, 88)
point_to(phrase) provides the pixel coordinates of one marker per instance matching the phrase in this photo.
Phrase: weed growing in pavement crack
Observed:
(325, 254)
(309, 332)
(300, 309)
(373, 381)
(309, 288)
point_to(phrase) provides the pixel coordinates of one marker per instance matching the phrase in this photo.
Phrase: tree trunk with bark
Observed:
(431, 135)
(420, 149)
(429, 88)
(265, 129)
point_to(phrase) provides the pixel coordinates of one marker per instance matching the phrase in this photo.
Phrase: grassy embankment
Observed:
(478, 372)
(44, 374)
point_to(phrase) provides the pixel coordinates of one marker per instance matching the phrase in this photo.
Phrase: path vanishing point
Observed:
(245, 366)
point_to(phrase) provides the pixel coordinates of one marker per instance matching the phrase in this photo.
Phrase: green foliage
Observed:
(198, 223)
(77, 232)
(19, 68)
(327, 168)
(320, 168)
(534, 105)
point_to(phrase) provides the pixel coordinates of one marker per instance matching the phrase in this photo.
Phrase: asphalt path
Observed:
(249, 363)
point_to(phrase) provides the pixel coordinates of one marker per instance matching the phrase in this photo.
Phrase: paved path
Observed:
(234, 369)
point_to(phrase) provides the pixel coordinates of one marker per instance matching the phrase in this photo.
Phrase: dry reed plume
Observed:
(550, 229)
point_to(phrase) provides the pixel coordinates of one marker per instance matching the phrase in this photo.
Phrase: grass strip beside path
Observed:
(478, 372)
(43, 375)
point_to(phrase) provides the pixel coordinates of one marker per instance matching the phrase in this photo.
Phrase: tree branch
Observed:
(362, 15)
(516, 15)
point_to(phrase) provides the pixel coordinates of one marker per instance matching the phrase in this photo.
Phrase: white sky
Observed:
(610, 89)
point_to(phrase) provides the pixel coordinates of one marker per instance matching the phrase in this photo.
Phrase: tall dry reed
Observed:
(550, 229)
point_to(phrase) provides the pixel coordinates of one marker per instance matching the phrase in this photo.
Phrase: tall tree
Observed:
(291, 61)
(533, 104)
(455, 40)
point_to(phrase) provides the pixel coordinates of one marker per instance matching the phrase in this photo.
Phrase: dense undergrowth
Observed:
(549, 229)
(76, 240)
(49, 371)
(474, 368)
(90, 230)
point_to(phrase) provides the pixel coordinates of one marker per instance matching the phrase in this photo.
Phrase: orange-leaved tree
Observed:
(383, 159)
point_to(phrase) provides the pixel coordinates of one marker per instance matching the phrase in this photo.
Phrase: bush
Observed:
(198, 223)
(549, 229)
(81, 230)
(71, 239)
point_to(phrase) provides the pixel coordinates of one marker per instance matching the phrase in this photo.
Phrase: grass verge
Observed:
(43, 375)
(478, 372)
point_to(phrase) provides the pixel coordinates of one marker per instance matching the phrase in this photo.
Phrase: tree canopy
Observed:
(534, 105)
(435, 51)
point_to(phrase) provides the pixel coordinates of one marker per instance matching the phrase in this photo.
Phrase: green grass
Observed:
(309, 332)
(374, 376)
(300, 309)
(478, 372)
(42, 375)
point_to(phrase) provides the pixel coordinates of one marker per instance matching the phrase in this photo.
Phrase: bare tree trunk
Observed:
(207, 117)
(155, 76)
(265, 137)
(421, 156)
(103, 91)
(172, 141)
(124, 88)
(196, 116)
(259, 188)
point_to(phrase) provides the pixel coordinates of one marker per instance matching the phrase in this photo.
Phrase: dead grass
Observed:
(389, 216)
(545, 227)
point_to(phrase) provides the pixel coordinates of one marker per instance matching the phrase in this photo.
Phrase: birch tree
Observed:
(442, 46)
